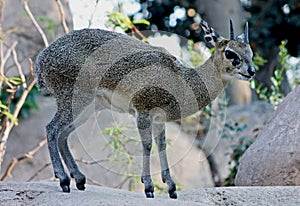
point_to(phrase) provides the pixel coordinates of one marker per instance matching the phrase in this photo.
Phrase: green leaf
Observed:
(254, 84)
(119, 19)
(274, 81)
(277, 73)
(10, 116)
(258, 61)
(16, 80)
(141, 21)
(2, 106)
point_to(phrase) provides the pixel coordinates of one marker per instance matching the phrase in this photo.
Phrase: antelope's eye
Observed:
(231, 55)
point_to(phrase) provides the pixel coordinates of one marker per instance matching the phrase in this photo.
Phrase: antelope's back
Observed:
(67, 54)
(96, 52)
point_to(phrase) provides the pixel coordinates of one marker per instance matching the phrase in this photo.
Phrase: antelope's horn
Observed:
(232, 31)
(246, 36)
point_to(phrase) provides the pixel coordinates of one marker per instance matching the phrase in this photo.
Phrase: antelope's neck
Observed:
(212, 79)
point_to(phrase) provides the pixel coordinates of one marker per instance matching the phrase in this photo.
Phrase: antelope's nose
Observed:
(251, 70)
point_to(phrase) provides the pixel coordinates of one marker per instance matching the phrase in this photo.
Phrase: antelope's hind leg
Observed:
(72, 121)
(52, 138)
(68, 158)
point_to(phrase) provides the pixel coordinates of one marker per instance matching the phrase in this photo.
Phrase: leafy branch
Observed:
(116, 19)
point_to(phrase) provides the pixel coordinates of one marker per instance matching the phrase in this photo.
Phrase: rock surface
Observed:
(274, 157)
(46, 193)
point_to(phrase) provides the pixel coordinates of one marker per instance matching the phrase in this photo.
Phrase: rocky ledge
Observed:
(49, 193)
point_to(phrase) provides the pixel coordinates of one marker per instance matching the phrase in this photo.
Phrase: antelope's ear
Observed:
(210, 35)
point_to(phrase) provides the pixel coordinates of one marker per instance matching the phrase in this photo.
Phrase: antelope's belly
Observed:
(155, 101)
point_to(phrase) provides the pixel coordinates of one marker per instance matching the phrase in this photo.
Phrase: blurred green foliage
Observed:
(49, 24)
(273, 94)
(271, 22)
(122, 153)
(30, 102)
(238, 149)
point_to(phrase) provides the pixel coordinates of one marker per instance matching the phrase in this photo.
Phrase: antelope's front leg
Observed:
(160, 140)
(144, 124)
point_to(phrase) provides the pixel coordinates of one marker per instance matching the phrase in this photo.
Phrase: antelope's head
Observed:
(233, 57)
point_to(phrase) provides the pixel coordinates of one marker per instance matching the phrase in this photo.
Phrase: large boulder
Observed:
(274, 157)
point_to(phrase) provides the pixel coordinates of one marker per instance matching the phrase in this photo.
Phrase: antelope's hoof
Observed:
(149, 194)
(173, 195)
(80, 186)
(65, 185)
(80, 183)
(65, 188)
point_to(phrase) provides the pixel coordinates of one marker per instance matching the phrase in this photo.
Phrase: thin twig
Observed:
(90, 162)
(36, 25)
(94, 182)
(18, 65)
(27, 155)
(8, 53)
(31, 67)
(1, 42)
(39, 171)
(2, 9)
(62, 16)
(93, 13)
(136, 30)
(119, 186)
(3, 60)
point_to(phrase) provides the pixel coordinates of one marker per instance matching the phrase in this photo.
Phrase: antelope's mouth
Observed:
(246, 76)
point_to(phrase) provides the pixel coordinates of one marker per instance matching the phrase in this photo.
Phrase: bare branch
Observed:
(1, 41)
(3, 60)
(136, 30)
(90, 162)
(31, 67)
(8, 53)
(39, 171)
(62, 16)
(18, 65)
(25, 156)
(93, 13)
(119, 186)
(94, 182)
(2, 9)
(35, 23)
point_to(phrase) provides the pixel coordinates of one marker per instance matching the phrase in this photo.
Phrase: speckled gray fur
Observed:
(115, 71)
